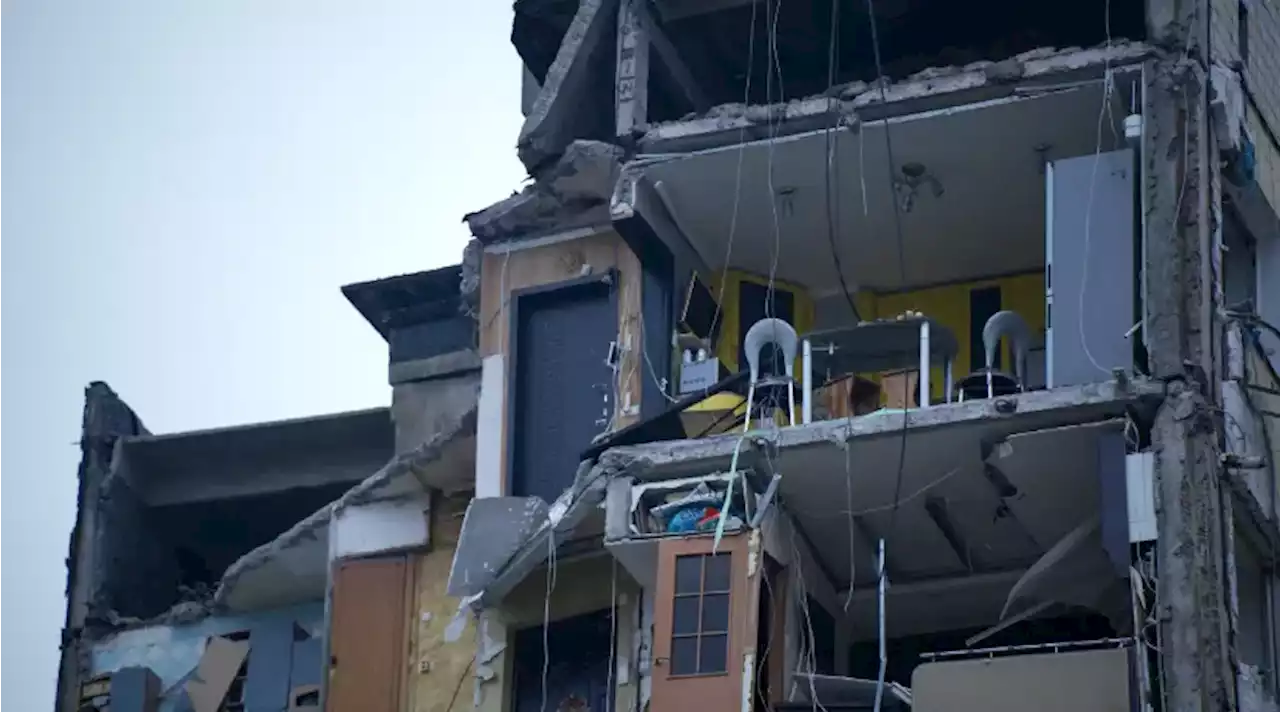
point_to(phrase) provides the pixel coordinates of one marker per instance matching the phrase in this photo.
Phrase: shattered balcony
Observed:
(1012, 528)
(946, 198)
(980, 491)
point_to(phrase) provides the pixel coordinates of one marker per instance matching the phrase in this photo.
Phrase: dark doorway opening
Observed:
(577, 652)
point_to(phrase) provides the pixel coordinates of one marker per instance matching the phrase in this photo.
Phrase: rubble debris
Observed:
(572, 192)
(404, 465)
(218, 666)
(571, 91)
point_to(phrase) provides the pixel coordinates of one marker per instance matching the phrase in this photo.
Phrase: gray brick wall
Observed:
(1262, 68)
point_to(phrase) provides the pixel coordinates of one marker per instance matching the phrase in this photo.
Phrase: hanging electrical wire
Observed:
(831, 176)
(613, 632)
(809, 640)
(774, 118)
(737, 181)
(546, 615)
(902, 264)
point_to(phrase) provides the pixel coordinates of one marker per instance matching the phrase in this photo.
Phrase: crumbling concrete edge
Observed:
(105, 420)
(405, 464)
(652, 460)
(565, 514)
(572, 192)
(933, 88)
(543, 134)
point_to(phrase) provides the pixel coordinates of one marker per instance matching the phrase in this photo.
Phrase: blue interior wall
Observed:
(284, 652)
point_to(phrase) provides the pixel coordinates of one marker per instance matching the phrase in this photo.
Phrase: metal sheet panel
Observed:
(1090, 272)
(1096, 680)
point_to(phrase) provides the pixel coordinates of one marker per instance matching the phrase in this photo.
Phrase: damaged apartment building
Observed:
(272, 567)
(880, 355)
(838, 355)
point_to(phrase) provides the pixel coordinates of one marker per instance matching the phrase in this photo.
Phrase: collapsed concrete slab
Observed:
(493, 530)
(489, 572)
(294, 566)
(576, 99)
(572, 192)
(1034, 410)
(484, 572)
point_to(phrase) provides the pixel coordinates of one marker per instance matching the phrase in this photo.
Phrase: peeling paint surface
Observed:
(172, 652)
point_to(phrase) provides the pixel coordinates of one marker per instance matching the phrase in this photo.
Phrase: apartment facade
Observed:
(1003, 429)
(854, 357)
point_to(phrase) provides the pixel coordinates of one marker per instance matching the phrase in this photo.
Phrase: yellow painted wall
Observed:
(582, 586)
(950, 305)
(727, 345)
(447, 664)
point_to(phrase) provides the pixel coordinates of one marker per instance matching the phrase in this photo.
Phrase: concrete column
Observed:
(1181, 294)
(632, 93)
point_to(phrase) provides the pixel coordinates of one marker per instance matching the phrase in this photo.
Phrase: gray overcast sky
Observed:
(186, 186)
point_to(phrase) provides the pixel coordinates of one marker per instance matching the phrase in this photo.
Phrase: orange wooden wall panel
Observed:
(367, 635)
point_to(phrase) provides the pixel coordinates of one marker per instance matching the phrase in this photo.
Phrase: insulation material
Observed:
(218, 667)
(439, 660)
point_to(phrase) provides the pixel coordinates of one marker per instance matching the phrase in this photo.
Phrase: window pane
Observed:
(684, 656)
(715, 613)
(688, 574)
(684, 616)
(718, 569)
(715, 650)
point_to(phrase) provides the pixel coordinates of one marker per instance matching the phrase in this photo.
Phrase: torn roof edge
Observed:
(931, 88)
(402, 465)
(257, 428)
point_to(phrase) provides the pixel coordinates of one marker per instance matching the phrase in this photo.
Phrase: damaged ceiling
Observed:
(244, 460)
(987, 488)
(998, 201)
(294, 567)
(913, 34)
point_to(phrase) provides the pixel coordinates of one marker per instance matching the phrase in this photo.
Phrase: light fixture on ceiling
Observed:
(907, 185)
